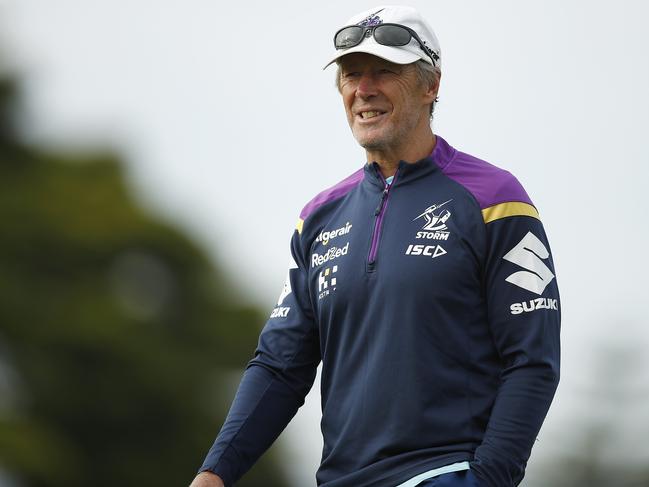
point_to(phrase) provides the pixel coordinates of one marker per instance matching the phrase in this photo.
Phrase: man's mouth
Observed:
(370, 114)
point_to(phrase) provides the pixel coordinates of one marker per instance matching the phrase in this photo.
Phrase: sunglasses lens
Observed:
(348, 37)
(391, 35)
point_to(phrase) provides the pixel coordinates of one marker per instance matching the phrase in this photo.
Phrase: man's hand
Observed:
(207, 479)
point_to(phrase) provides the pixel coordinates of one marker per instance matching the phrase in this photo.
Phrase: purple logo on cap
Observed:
(372, 19)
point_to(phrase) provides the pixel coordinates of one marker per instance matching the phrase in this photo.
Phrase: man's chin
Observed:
(369, 142)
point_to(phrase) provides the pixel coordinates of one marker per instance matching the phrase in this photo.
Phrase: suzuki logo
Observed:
(529, 253)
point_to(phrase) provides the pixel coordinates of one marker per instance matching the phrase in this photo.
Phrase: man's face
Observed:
(384, 102)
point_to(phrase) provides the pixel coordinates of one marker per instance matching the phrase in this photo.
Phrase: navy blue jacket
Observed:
(434, 308)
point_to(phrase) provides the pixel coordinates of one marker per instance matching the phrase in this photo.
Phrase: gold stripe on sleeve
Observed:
(512, 208)
(299, 225)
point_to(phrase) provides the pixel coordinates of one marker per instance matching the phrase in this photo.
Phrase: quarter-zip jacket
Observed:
(433, 306)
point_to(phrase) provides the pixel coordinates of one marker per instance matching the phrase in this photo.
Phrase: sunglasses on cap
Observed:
(385, 34)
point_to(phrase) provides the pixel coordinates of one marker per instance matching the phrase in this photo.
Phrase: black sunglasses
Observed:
(385, 34)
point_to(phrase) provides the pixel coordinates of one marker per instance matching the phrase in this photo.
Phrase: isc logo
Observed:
(431, 251)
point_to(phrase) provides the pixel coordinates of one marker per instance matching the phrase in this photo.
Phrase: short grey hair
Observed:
(427, 73)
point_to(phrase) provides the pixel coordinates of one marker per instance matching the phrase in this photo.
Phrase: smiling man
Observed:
(424, 284)
(387, 108)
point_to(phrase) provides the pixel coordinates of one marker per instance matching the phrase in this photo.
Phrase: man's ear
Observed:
(431, 93)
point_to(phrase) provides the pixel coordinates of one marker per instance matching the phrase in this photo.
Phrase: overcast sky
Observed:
(229, 126)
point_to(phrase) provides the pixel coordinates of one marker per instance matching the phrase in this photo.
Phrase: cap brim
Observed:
(397, 55)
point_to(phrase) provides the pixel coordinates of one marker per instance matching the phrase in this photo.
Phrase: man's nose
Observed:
(366, 86)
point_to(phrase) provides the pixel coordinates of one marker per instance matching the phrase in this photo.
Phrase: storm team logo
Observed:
(435, 218)
(372, 19)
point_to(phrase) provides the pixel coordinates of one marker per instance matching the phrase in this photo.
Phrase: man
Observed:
(424, 283)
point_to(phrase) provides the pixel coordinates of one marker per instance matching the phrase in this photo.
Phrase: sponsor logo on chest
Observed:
(327, 281)
(431, 251)
(331, 254)
(327, 235)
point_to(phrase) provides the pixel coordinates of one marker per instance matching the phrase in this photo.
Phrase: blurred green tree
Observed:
(117, 335)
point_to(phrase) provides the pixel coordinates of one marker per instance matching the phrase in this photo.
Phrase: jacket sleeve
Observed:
(524, 318)
(275, 382)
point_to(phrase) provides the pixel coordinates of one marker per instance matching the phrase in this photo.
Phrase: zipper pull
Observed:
(383, 195)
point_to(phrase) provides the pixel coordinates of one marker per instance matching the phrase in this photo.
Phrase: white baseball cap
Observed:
(393, 14)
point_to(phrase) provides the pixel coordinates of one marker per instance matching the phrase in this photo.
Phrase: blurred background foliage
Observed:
(118, 337)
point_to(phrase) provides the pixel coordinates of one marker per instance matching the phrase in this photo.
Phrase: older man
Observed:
(425, 285)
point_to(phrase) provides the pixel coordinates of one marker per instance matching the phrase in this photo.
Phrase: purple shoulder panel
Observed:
(489, 184)
(330, 194)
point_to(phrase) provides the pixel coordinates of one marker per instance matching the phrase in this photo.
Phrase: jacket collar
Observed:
(441, 156)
